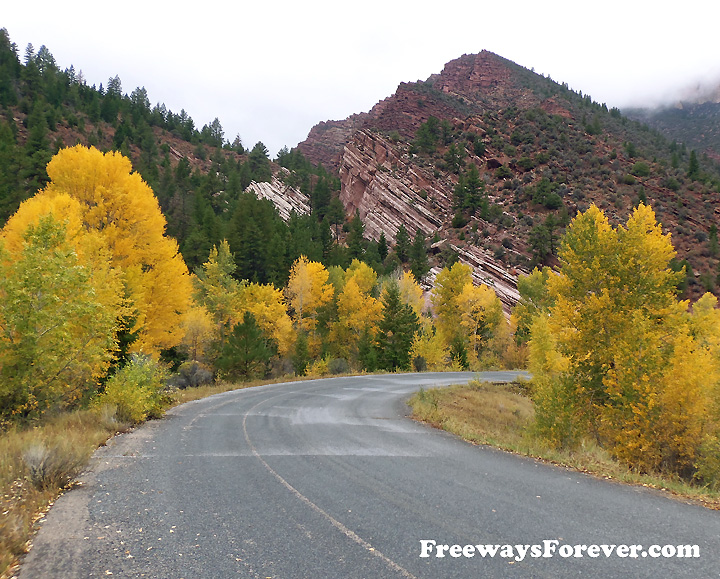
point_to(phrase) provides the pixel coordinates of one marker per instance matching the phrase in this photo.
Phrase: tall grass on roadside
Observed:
(496, 414)
(36, 464)
(501, 415)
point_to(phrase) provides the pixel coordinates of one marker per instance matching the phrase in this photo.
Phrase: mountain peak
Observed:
(466, 86)
(472, 74)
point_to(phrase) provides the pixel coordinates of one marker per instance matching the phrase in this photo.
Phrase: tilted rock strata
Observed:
(327, 139)
(387, 190)
(286, 199)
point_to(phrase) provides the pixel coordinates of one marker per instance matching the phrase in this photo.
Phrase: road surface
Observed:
(329, 478)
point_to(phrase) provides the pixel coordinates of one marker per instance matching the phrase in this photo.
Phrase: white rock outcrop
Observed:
(285, 198)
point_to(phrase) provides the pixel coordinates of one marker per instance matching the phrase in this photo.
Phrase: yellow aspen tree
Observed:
(705, 323)
(160, 302)
(596, 304)
(411, 293)
(544, 359)
(266, 303)
(89, 245)
(218, 291)
(364, 276)
(307, 291)
(641, 372)
(358, 311)
(481, 315)
(57, 323)
(429, 346)
(449, 284)
(705, 329)
(62, 207)
(691, 392)
(554, 411)
(631, 393)
(533, 299)
(688, 413)
(121, 207)
(199, 331)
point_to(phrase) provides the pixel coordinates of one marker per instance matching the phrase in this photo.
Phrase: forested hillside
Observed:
(197, 174)
(695, 123)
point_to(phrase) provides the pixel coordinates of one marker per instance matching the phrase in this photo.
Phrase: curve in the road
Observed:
(329, 478)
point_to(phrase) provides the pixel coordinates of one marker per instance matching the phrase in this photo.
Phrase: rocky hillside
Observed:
(491, 160)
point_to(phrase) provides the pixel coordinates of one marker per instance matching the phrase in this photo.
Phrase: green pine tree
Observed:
(419, 264)
(247, 351)
(402, 244)
(396, 331)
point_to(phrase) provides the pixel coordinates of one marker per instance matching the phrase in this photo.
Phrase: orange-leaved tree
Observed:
(119, 210)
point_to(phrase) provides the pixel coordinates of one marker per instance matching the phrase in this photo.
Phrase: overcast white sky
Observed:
(271, 70)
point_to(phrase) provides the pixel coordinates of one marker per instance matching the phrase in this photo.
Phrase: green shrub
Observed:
(553, 201)
(640, 169)
(503, 172)
(137, 390)
(526, 163)
(459, 220)
(338, 366)
(708, 465)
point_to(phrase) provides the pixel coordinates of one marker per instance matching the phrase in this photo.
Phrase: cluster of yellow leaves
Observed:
(480, 315)
(223, 302)
(268, 306)
(615, 355)
(358, 311)
(429, 345)
(114, 222)
(199, 331)
(466, 312)
(449, 284)
(57, 334)
(102, 264)
(411, 293)
(307, 291)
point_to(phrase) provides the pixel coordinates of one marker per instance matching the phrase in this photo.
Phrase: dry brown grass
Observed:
(480, 412)
(36, 464)
(501, 415)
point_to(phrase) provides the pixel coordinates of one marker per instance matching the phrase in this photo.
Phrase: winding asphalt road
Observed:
(328, 478)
